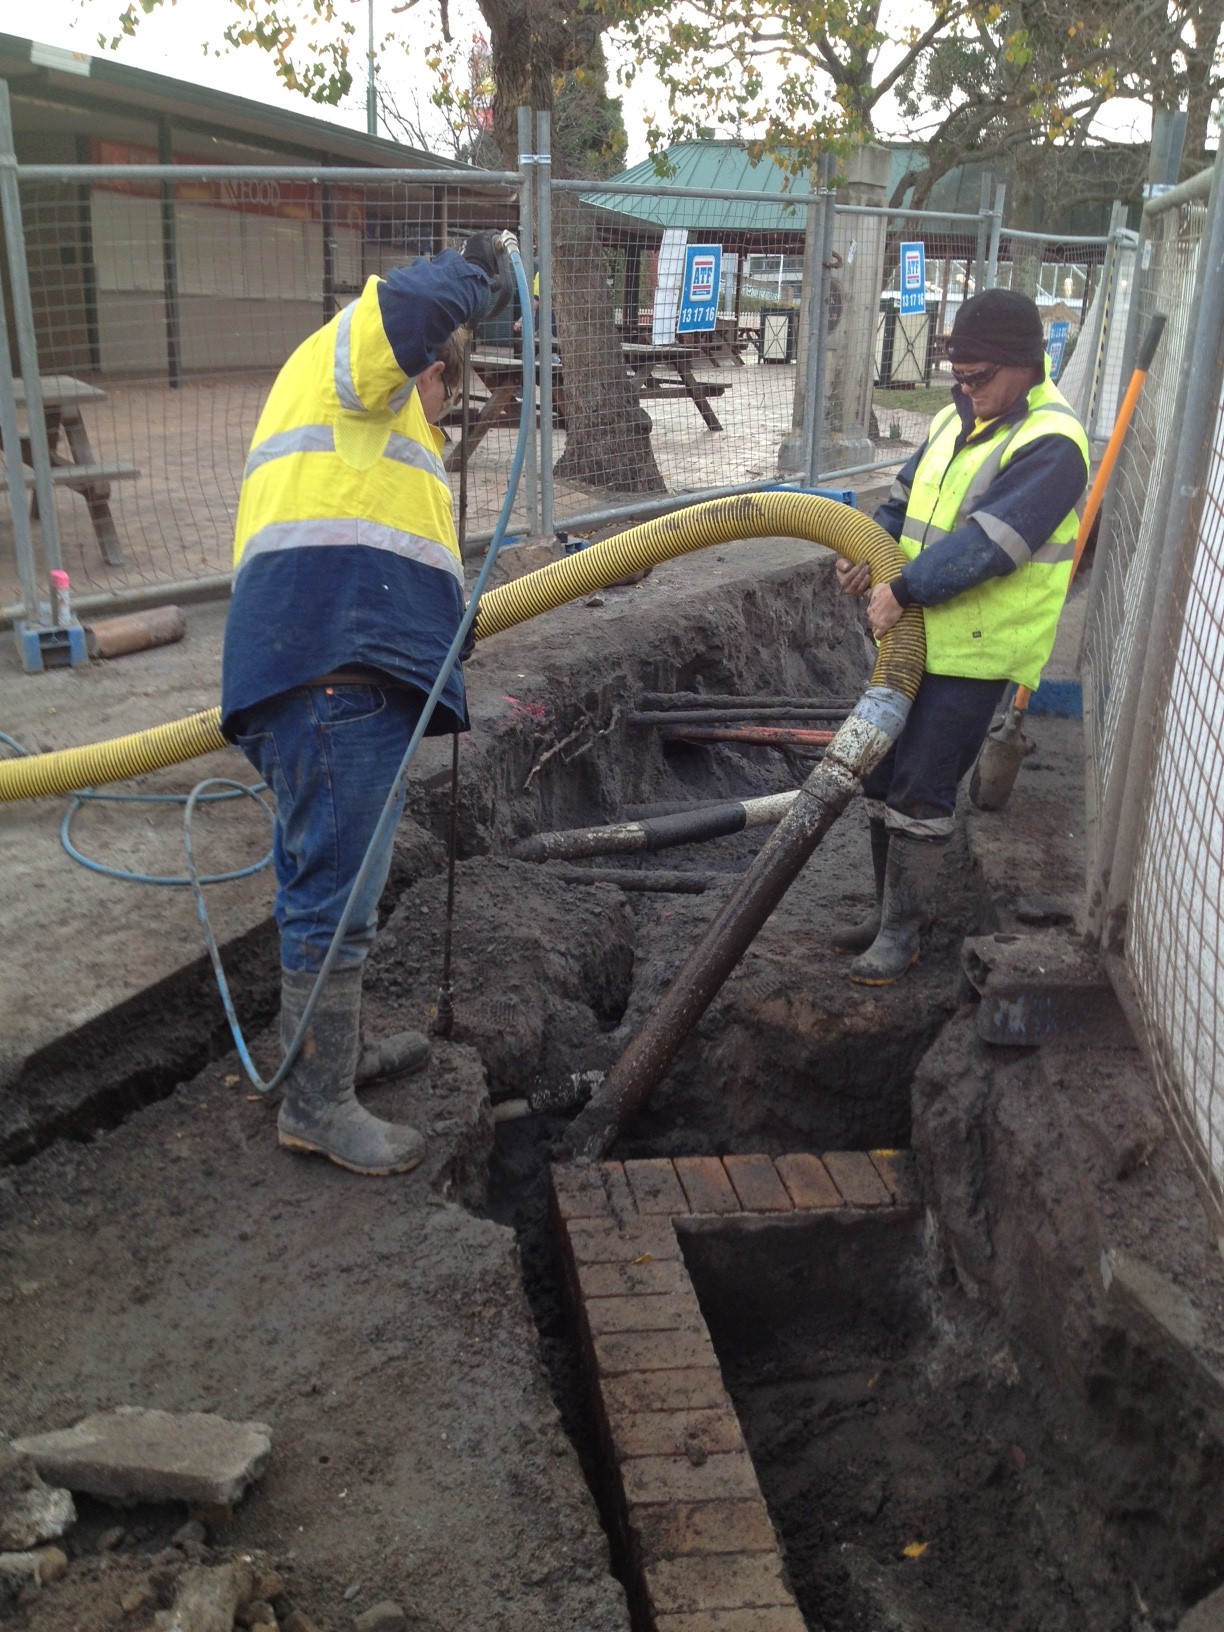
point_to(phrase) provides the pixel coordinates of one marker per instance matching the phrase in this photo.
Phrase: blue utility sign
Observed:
(1056, 344)
(699, 292)
(913, 278)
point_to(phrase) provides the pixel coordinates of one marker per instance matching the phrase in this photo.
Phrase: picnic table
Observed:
(500, 375)
(74, 464)
(647, 362)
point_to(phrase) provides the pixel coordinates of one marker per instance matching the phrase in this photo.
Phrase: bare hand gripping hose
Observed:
(753, 515)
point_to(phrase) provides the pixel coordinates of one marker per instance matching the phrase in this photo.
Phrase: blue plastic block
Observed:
(1062, 698)
(46, 646)
(840, 495)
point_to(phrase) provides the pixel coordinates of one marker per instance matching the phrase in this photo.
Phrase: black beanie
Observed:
(998, 326)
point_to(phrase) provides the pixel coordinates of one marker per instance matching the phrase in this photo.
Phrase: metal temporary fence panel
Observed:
(1133, 526)
(165, 301)
(1175, 939)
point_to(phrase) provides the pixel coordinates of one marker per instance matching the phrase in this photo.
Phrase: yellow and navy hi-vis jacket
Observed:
(345, 551)
(1002, 627)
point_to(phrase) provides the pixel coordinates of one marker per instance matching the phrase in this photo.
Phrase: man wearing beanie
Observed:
(985, 514)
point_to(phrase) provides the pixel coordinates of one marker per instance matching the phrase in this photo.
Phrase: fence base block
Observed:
(1043, 987)
(50, 646)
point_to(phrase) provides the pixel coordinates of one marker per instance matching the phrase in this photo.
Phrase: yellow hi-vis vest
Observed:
(1004, 628)
(343, 453)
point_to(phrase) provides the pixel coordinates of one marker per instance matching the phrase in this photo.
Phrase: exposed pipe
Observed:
(759, 736)
(730, 716)
(655, 833)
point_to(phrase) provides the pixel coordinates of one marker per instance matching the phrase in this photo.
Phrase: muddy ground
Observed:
(1047, 1430)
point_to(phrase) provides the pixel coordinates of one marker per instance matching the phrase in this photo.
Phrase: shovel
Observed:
(1006, 747)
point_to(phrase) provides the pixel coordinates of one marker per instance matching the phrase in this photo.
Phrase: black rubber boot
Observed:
(399, 1056)
(909, 889)
(320, 1113)
(858, 937)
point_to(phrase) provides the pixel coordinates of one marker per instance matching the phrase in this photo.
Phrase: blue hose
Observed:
(387, 819)
(83, 796)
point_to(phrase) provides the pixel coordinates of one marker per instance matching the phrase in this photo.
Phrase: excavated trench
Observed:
(926, 1468)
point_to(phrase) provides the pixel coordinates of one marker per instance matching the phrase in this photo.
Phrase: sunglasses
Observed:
(976, 377)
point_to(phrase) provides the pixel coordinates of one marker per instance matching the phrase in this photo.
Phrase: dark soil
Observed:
(925, 1395)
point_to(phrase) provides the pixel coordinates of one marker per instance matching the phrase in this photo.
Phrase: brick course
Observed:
(697, 1524)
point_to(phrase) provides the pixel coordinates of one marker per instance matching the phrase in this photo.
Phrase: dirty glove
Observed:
(483, 249)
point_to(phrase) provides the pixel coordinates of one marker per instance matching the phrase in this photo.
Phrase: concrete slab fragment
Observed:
(133, 1455)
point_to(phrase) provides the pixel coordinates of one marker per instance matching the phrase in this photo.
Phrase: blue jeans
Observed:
(329, 755)
(913, 790)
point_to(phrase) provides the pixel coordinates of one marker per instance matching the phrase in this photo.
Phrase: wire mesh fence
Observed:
(161, 314)
(1115, 625)
(163, 301)
(1154, 705)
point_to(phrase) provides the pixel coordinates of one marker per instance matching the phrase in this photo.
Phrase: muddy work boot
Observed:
(320, 1113)
(858, 937)
(909, 890)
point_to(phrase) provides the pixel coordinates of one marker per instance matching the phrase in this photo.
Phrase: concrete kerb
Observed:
(694, 1531)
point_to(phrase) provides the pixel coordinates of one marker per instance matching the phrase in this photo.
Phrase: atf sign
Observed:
(699, 291)
(913, 277)
(1056, 345)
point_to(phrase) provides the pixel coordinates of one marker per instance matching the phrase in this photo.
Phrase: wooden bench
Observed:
(92, 482)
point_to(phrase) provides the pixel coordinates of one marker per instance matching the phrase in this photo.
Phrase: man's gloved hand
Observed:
(484, 251)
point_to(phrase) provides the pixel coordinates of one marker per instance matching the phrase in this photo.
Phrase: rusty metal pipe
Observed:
(760, 736)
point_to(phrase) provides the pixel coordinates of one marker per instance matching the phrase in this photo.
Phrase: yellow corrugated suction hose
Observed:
(902, 655)
(721, 521)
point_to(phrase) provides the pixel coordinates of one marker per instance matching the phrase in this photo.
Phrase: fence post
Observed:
(983, 231)
(1101, 329)
(818, 329)
(170, 278)
(1146, 684)
(526, 120)
(27, 348)
(544, 338)
(10, 433)
(996, 234)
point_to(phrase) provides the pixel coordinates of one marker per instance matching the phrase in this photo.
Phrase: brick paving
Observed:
(696, 1526)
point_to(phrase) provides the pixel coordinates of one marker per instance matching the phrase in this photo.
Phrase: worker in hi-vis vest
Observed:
(985, 514)
(348, 592)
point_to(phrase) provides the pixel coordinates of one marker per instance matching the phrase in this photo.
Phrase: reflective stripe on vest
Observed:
(1003, 628)
(313, 535)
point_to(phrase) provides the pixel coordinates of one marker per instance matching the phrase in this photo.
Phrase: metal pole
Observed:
(813, 245)
(818, 338)
(1100, 332)
(27, 350)
(1099, 576)
(544, 320)
(23, 538)
(996, 234)
(1198, 406)
(328, 212)
(526, 240)
(170, 289)
(371, 88)
(983, 232)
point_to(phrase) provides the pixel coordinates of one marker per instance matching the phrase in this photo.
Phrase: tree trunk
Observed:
(607, 443)
(607, 439)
